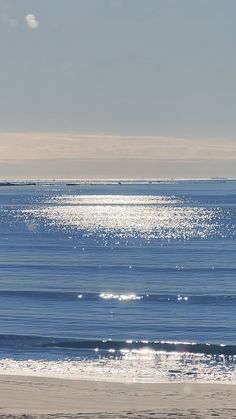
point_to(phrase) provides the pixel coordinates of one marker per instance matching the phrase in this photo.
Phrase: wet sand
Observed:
(39, 397)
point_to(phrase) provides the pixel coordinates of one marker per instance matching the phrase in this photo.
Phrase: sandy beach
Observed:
(37, 397)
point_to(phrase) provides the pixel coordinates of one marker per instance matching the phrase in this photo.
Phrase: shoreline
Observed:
(114, 380)
(111, 180)
(56, 397)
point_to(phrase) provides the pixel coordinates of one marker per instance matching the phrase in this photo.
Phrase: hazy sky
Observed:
(160, 68)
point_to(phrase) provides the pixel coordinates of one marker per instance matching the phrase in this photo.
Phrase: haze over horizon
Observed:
(117, 88)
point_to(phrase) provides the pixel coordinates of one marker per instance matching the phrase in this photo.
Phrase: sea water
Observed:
(114, 280)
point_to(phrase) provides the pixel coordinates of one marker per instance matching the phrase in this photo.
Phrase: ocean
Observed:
(126, 281)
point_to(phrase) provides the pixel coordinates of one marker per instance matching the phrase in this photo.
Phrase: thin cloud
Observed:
(31, 21)
(62, 146)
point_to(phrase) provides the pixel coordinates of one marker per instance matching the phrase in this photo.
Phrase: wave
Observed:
(121, 297)
(44, 342)
(114, 268)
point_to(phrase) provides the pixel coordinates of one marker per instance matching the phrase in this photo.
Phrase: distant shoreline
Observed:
(74, 182)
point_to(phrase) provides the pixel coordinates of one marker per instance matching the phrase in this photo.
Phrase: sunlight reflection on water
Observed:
(143, 365)
(147, 217)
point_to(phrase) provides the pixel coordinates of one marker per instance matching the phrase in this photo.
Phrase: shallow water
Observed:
(97, 278)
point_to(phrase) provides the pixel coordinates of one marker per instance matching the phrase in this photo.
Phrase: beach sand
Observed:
(39, 397)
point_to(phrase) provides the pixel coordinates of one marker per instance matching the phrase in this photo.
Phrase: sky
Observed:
(117, 88)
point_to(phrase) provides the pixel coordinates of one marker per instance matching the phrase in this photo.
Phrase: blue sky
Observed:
(119, 67)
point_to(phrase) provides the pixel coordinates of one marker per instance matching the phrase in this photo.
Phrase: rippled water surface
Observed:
(121, 281)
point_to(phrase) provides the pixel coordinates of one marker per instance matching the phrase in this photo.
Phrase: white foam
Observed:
(132, 366)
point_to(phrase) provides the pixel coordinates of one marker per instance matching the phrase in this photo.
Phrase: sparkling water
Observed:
(119, 280)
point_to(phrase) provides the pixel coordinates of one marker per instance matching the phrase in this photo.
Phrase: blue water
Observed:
(86, 269)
